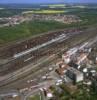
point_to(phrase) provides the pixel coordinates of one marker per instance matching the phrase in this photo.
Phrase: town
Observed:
(18, 19)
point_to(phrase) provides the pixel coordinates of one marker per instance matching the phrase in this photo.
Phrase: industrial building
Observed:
(74, 74)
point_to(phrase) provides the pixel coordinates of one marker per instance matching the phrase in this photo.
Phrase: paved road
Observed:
(41, 85)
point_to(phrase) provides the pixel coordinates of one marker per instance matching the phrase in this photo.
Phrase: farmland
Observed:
(45, 11)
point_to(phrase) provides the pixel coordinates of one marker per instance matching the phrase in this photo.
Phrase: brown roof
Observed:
(61, 70)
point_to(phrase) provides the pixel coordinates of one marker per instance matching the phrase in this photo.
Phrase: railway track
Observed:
(19, 61)
(53, 49)
(9, 51)
(15, 64)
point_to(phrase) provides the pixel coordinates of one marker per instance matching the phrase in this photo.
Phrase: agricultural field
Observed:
(55, 6)
(44, 12)
(10, 12)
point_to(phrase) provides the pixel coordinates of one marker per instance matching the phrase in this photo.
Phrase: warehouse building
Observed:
(74, 74)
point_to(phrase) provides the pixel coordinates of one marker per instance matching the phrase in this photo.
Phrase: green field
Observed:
(36, 97)
(81, 93)
(55, 6)
(44, 12)
(27, 29)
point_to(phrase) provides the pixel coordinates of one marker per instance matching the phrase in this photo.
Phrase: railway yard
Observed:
(48, 51)
(28, 51)
(31, 59)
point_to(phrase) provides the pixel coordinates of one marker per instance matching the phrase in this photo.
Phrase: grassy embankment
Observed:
(27, 29)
